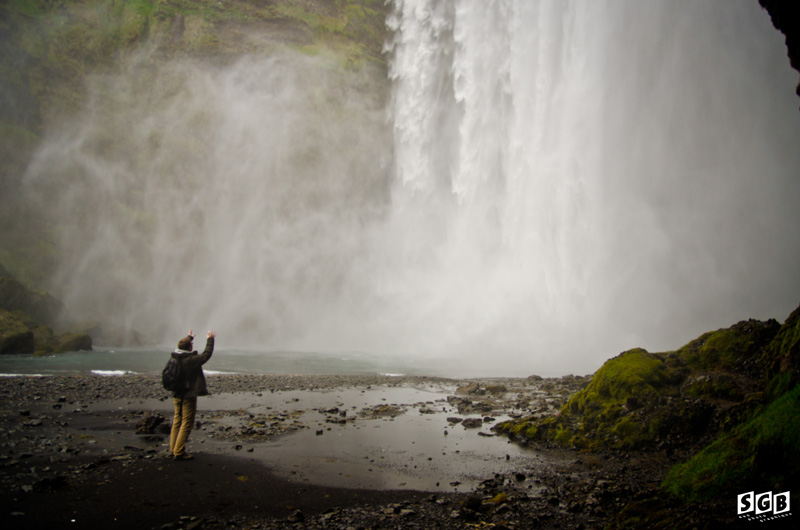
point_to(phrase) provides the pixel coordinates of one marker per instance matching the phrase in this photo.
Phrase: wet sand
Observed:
(296, 452)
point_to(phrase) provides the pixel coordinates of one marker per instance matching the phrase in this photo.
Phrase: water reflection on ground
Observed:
(396, 437)
(417, 449)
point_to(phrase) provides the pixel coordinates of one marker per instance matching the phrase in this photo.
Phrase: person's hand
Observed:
(191, 334)
(211, 334)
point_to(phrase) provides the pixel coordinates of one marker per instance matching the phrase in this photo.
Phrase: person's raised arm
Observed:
(206, 355)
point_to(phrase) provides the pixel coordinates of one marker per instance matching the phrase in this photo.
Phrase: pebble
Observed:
(585, 486)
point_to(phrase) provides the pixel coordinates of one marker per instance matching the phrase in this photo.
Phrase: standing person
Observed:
(186, 401)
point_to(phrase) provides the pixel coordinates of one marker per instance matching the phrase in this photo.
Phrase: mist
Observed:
(540, 186)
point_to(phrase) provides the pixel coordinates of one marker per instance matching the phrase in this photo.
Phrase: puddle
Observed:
(395, 437)
(410, 451)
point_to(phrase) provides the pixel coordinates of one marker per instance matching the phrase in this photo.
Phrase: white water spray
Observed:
(558, 181)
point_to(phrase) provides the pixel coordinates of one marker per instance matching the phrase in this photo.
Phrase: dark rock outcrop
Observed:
(673, 400)
(73, 342)
(15, 335)
(42, 307)
(27, 319)
(785, 15)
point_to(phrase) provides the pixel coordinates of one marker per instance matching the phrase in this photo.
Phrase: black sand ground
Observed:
(67, 461)
(214, 489)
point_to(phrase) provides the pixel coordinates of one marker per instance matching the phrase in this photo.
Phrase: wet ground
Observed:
(299, 452)
(375, 437)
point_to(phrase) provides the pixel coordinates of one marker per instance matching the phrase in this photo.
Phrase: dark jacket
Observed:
(192, 366)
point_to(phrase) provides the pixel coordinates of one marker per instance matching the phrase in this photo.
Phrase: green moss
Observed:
(788, 337)
(632, 374)
(782, 357)
(73, 342)
(728, 349)
(716, 385)
(13, 322)
(562, 435)
(632, 433)
(143, 8)
(16, 336)
(50, 47)
(778, 385)
(760, 453)
(31, 8)
(609, 411)
(133, 21)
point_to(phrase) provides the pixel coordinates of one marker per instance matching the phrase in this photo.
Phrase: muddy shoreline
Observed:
(91, 449)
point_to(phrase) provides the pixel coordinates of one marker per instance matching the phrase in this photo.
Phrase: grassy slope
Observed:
(747, 375)
(639, 398)
(760, 451)
(760, 454)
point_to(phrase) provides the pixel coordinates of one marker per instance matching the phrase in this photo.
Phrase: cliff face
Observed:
(50, 49)
(785, 15)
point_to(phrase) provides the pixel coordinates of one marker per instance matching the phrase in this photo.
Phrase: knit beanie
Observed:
(185, 343)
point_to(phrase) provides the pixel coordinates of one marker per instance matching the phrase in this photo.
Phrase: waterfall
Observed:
(592, 176)
(556, 182)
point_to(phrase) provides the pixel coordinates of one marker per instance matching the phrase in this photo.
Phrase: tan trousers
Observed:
(185, 409)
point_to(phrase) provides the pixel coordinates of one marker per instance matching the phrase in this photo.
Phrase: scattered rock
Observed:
(470, 388)
(149, 423)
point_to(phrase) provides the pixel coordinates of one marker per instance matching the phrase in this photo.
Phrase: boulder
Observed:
(470, 388)
(496, 389)
(15, 335)
(44, 339)
(40, 306)
(472, 423)
(73, 342)
(149, 423)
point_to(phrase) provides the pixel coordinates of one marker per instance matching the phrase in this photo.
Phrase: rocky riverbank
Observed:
(91, 449)
(667, 438)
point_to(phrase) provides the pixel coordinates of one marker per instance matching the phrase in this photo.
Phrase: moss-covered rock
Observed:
(24, 316)
(782, 357)
(21, 333)
(640, 399)
(758, 441)
(73, 342)
(760, 449)
(760, 453)
(616, 407)
(615, 410)
(42, 307)
(15, 335)
(736, 349)
(44, 339)
(632, 376)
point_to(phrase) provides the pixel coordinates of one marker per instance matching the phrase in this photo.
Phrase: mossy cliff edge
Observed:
(50, 49)
(27, 319)
(725, 404)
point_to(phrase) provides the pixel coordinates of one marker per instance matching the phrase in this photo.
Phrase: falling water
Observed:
(557, 182)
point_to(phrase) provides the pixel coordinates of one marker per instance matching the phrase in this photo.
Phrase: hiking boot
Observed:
(184, 456)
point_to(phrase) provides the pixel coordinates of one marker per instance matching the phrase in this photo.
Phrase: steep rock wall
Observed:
(785, 15)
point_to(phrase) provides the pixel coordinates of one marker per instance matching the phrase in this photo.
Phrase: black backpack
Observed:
(172, 376)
